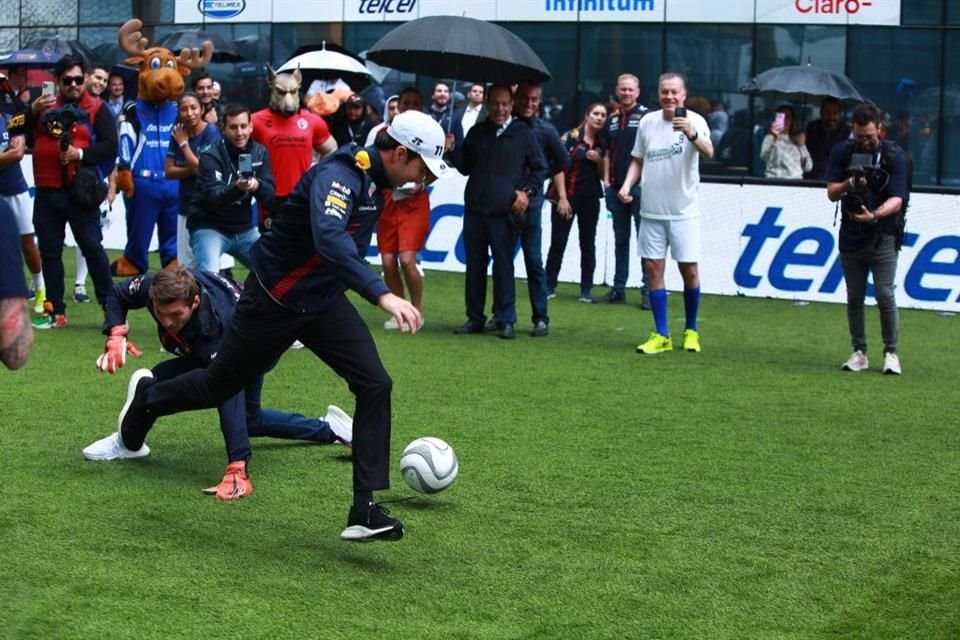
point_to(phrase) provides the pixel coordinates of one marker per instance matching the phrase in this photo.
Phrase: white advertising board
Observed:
(838, 12)
(761, 241)
(709, 11)
(758, 241)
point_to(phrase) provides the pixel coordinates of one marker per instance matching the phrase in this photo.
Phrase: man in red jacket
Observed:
(71, 131)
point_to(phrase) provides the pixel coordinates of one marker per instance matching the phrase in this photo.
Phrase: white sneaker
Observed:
(391, 325)
(111, 448)
(891, 364)
(856, 362)
(341, 424)
(296, 345)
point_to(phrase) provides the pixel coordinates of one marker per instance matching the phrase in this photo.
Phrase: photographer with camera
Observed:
(74, 149)
(869, 179)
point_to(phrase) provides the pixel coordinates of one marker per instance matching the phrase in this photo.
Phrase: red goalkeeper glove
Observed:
(115, 352)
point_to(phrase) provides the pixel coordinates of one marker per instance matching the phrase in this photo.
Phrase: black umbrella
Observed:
(61, 46)
(460, 48)
(928, 101)
(45, 51)
(223, 50)
(802, 82)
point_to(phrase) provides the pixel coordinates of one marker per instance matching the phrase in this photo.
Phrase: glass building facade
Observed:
(911, 69)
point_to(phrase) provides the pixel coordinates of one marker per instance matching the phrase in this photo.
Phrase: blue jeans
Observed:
(531, 241)
(209, 244)
(52, 210)
(242, 418)
(622, 215)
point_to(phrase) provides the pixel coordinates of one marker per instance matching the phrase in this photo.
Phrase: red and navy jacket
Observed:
(621, 136)
(313, 251)
(98, 139)
(200, 339)
(582, 178)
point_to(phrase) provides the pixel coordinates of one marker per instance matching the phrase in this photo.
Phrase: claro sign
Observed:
(850, 7)
(828, 11)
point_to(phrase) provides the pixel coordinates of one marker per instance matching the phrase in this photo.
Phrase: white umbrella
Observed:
(324, 60)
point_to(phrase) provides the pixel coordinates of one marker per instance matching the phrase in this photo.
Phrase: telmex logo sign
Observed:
(221, 9)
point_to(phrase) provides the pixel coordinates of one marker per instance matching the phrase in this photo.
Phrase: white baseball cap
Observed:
(420, 133)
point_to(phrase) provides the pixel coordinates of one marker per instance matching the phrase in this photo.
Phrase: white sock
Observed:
(81, 268)
(38, 281)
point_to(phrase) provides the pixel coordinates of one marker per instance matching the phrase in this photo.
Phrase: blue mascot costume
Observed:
(145, 129)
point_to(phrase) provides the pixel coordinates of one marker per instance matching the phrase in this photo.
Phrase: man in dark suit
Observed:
(474, 109)
(506, 168)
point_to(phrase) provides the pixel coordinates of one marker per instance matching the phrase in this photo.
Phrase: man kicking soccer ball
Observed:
(192, 310)
(302, 267)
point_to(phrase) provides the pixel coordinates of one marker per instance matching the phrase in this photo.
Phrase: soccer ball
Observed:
(429, 465)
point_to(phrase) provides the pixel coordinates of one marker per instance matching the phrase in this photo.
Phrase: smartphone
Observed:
(680, 112)
(245, 165)
(780, 120)
(49, 88)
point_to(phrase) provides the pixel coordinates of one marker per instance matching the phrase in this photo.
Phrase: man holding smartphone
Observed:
(666, 159)
(231, 174)
(72, 136)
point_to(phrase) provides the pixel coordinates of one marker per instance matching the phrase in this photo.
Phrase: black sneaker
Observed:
(611, 297)
(645, 299)
(467, 328)
(371, 523)
(133, 423)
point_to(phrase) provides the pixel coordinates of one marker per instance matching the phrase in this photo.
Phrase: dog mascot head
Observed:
(284, 91)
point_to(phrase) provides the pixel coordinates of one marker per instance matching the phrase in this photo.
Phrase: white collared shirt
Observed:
(504, 126)
(469, 118)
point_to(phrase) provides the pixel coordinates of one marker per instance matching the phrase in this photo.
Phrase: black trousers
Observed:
(52, 211)
(260, 332)
(484, 236)
(587, 212)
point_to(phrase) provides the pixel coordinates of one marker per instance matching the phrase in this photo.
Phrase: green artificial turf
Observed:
(750, 491)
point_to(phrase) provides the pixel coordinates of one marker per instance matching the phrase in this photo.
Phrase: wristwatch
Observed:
(530, 192)
(696, 134)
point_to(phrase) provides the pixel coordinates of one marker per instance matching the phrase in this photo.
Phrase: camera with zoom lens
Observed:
(868, 178)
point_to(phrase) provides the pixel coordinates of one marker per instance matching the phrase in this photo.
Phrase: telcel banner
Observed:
(766, 241)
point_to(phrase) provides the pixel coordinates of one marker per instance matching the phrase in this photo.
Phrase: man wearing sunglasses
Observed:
(71, 131)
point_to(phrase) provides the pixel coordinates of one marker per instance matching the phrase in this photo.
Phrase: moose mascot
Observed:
(145, 129)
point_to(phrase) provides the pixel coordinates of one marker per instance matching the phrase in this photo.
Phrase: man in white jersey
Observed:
(666, 158)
